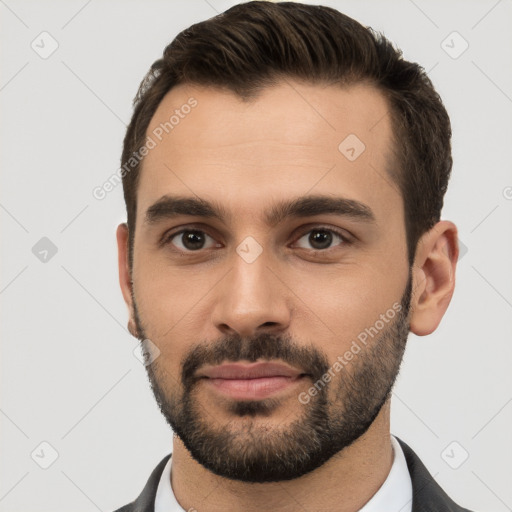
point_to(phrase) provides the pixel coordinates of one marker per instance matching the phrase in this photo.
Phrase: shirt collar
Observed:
(395, 494)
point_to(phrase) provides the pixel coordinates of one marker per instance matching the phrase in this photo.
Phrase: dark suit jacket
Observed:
(427, 496)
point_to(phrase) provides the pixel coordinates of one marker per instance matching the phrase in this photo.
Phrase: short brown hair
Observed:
(252, 45)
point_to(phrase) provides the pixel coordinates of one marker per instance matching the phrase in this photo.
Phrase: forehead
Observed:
(291, 139)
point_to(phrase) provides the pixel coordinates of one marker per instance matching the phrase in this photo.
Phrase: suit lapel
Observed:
(427, 495)
(146, 500)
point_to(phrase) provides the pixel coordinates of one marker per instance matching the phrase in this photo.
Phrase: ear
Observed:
(125, 278)
(433, 277)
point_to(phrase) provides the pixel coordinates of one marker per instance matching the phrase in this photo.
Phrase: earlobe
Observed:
(433, 277)
(125, 279)
(132, 327)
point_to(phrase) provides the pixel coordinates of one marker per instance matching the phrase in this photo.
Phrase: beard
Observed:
(341, 411)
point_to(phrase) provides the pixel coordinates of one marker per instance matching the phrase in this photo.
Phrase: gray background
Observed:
(69, 376)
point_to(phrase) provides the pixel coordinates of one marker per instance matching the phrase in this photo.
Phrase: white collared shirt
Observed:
(394, 495)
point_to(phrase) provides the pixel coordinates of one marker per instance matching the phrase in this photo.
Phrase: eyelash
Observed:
(168, 237)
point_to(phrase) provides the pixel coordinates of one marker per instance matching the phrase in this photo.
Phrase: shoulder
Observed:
(427, 495)
(145, 502)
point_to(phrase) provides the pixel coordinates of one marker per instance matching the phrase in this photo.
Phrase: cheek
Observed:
(171, 303)
(346, 303)
(164, 293)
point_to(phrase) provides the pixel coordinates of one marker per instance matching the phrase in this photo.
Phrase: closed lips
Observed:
(236, 371)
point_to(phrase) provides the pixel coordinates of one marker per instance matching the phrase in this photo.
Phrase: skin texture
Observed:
(247, 156)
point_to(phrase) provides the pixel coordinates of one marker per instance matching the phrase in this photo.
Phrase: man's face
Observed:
(307, 290)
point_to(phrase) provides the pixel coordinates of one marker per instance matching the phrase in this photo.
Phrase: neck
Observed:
(344, 483)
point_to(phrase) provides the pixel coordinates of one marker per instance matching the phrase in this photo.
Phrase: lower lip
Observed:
(253, 389)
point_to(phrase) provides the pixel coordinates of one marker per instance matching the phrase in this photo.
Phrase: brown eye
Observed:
(321, 239)
(189, 240)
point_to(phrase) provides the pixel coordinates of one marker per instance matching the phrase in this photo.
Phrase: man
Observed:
(284, 174)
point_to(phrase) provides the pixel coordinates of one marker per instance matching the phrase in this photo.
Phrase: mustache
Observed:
(264, 346)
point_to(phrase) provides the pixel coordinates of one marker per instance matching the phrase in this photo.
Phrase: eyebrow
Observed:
(168, 207)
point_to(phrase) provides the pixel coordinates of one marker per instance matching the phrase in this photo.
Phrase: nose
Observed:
(252, 298)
